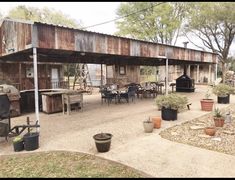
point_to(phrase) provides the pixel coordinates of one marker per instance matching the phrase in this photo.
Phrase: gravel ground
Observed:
(192, 133)
(148, 152)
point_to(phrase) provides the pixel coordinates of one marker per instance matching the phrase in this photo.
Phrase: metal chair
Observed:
(107, 95)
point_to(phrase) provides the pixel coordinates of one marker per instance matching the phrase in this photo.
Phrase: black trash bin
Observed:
(31, 141)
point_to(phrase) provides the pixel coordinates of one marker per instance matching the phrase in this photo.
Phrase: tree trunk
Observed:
(68, 81)
(223, 72)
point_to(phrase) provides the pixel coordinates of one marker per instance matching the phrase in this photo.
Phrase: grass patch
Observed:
(62, 164)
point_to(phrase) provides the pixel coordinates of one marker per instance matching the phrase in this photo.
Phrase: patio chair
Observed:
(131, 91)
(139, 91)
(107, 95)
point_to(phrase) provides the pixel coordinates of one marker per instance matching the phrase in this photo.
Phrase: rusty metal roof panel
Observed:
(65, 38)
(80, 29)
(53, 36)
(46, 36)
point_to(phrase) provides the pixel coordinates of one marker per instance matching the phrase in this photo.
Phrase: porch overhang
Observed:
(66, 56)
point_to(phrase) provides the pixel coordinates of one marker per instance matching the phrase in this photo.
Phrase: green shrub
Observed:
(223, 90)
(17, 139)
(173, 101)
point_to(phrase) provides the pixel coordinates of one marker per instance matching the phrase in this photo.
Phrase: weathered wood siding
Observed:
(85, 41)
(46, 36)
(15, 36)
(11, 73)
(1, 40)
(64, 39)
(132, 75)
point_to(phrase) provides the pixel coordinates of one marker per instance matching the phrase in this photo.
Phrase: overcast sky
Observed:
(89, 13)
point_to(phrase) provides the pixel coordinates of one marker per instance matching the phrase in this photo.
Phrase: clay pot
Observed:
(157, 121)
(207, 104)
(210, 131)
(219, 122)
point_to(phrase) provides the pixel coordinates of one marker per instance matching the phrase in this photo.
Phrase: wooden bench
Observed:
(71, 99)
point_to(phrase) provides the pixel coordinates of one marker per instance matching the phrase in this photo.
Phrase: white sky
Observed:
(89, 13)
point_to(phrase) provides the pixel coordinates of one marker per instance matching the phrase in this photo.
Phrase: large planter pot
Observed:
(148, 126)
(210, 131)
(223, 99)
(207, 104)
(18, 146)
(169, 114)
(31, 141)
(103, 141)
(157, 121)
(219, 122)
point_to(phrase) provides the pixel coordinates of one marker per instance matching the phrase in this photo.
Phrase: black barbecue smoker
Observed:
(184, 83)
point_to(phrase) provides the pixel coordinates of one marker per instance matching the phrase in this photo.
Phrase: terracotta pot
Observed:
(210, 131)
(157, 121)
(207, 104)
(219, 122)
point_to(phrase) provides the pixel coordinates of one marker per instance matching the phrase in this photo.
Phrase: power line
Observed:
(122, 16)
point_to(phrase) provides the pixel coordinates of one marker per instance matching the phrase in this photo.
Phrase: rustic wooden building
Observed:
(21, 75)
(59, 44)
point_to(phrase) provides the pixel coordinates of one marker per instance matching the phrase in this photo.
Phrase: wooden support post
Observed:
(20, 77)
(198, 73)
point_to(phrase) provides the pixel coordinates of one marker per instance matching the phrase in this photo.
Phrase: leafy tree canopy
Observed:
(158, 22)
(45, 15)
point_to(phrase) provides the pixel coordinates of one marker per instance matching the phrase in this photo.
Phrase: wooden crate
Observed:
(51, 102)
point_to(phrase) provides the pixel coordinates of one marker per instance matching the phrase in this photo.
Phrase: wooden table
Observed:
(71, 97)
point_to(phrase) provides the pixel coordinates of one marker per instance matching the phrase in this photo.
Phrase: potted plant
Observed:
(148, 126)
(210, 131)
(157, 121)
(170, 105)
(218, 118)
(18, 143)
(103, 141)
(223, 92)
(31, 141)
(207, 103)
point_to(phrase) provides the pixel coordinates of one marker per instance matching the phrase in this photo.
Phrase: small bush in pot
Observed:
(218, 118)
(18, 143)
(171, 103)
(223, 92)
